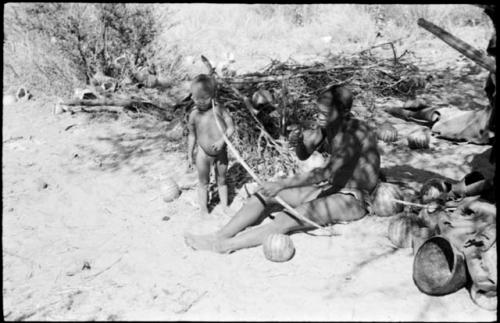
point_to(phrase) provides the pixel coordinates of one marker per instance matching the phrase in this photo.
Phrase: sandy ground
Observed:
(99, 243)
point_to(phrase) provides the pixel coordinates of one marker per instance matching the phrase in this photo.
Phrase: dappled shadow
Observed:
(237, 176)
(359, 266)
(136, 143)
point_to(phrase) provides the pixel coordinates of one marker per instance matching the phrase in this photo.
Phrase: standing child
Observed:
(211, 148)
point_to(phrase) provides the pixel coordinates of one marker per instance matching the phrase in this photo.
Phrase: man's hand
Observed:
(295, 137)
(271, 189)
(218, 145)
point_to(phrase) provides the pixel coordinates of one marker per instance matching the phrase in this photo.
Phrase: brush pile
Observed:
(262, 129)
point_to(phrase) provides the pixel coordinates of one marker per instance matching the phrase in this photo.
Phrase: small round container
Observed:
(438, 268)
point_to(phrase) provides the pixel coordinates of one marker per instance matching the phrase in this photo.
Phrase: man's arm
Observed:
(343, 154)
(307, 143)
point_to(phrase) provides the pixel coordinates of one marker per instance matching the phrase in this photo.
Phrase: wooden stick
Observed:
(256, 178)
(409, 203)
(461, 46)
(101, 102)
(248, 104)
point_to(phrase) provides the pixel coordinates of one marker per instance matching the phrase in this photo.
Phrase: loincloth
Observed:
(211, 157)
(362, 197)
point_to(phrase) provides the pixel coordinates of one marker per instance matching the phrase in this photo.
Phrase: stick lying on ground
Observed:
(461, 46)
(240, 159)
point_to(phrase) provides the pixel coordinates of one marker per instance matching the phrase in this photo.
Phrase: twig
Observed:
(188, 306)
(105, 269)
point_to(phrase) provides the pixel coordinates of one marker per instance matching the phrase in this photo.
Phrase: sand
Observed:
(87, 236)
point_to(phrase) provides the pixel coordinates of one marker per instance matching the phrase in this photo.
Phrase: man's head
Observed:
(203, 91)
(333, 103)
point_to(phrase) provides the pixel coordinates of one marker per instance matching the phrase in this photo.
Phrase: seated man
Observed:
(351, 174)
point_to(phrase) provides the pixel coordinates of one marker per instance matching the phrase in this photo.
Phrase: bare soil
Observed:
(87, 236)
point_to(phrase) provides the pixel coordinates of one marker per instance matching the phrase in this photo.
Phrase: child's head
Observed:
(203, 91)
(334, 102)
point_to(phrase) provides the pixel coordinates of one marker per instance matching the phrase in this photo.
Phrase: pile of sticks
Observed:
(295, 88)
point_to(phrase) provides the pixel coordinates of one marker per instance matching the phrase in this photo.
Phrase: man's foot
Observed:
(204, 242)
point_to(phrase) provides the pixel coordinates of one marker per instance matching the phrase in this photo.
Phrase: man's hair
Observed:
(337, 96)
(203, 83)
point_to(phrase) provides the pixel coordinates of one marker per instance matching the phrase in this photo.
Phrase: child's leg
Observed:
(220, 172)
(203, 166)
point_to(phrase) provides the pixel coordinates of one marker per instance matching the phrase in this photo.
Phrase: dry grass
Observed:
(34, 62)
(255, 34)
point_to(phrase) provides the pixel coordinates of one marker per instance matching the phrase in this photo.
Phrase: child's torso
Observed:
(207, 131)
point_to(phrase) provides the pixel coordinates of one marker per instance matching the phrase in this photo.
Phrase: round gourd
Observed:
(387, 133)
(434, 189)
(262, 97)
(383, 196)
(401, 229)
(419, 139)
(278, 247)
(170, 190)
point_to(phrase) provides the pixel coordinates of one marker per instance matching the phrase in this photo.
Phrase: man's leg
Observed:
(251, 211)
(249, 214)
(331, 209)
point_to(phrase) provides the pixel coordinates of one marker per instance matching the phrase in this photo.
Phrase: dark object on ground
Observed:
(438, 268)
(86, 265)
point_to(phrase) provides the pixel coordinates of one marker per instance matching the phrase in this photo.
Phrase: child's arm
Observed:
(191, 137)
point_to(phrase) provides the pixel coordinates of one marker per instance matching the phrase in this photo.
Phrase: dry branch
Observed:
(100, 102)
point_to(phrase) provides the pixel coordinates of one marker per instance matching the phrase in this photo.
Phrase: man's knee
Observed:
(258, 198)
(284, 223)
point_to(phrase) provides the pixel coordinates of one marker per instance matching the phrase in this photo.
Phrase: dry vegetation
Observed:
(255, 34)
